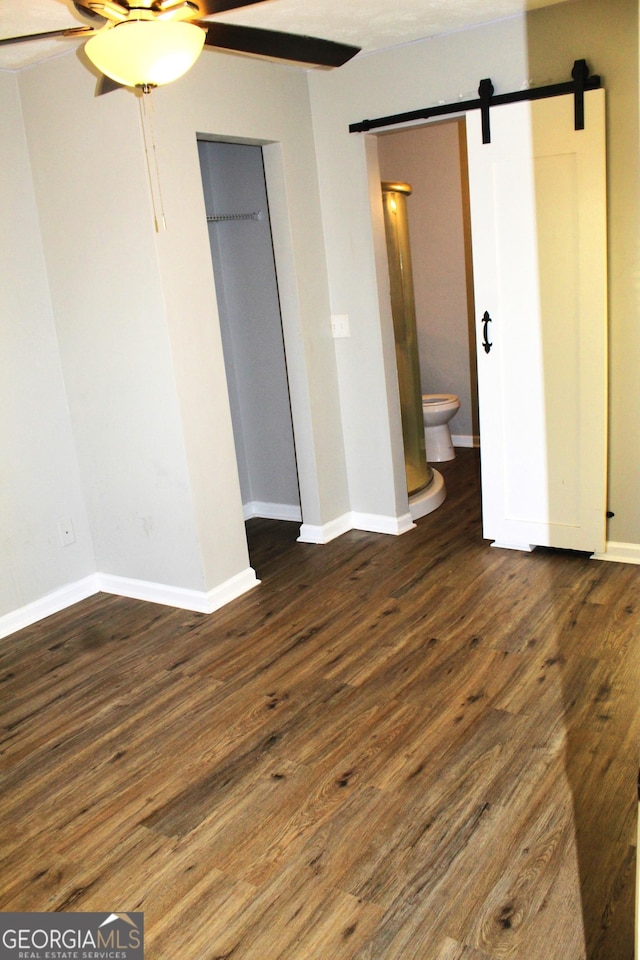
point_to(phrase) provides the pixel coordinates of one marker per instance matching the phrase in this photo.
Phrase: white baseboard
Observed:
(185, 599)
(524, 547)
(51, 603)
(310, 533)
(375, 523)
(370, 522)
(463, 440)
(272, 511)
(619, 552)
(231, 589)
(196, 600)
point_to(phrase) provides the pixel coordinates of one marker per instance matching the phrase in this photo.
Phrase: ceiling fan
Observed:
(144, 43)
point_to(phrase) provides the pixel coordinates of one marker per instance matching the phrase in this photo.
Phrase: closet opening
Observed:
(244, 268)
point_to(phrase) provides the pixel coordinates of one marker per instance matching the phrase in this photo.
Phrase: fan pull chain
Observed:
(151, 156)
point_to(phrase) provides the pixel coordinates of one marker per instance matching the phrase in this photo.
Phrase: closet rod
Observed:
(217, 217)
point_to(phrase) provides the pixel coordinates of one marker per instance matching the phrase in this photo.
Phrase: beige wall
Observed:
(606, 34)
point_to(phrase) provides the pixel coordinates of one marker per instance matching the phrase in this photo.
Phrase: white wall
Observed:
(539, 48)
(232, 97)
(96, 222)
(379, 85)
(39, 477)
(137, 324)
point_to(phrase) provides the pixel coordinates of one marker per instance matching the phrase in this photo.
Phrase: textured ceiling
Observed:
(370, 24)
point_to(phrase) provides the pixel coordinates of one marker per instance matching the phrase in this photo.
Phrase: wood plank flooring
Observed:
(416, 747)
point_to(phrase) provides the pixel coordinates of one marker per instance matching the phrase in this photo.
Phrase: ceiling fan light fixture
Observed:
(146, 53)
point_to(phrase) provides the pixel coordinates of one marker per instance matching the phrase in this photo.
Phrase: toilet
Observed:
(437, 410)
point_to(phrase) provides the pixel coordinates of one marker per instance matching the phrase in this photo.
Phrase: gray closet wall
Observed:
(247, 295)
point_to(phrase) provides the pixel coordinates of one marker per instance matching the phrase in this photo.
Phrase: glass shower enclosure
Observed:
(394, 198)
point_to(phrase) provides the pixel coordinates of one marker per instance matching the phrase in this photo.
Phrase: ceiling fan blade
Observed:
(281, 46)
(50, 34)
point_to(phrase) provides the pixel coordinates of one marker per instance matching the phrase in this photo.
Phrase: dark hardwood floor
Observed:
(416, 747)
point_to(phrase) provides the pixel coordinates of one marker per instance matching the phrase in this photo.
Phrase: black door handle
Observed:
(486, 320)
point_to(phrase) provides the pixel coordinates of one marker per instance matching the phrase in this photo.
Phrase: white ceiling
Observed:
(370, 24)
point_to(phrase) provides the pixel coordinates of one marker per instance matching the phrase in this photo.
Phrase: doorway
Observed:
(236, 202)
(540, 274)
(432, 159)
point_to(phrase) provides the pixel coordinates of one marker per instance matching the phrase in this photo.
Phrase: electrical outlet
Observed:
(66, 531)
(340, 325)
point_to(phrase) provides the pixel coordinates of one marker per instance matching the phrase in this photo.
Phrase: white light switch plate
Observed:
(340, 325)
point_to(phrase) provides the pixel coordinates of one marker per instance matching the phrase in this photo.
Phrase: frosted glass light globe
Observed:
(141, 53)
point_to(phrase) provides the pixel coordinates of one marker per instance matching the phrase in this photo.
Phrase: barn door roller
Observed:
(581, 81)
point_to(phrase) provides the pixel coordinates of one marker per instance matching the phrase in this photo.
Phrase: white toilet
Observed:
(437, 410)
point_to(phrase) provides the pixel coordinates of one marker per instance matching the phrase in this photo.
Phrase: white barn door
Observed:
(538, 221)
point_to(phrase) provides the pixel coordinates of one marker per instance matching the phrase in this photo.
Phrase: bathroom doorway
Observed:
(432, 159)
(236, 202)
